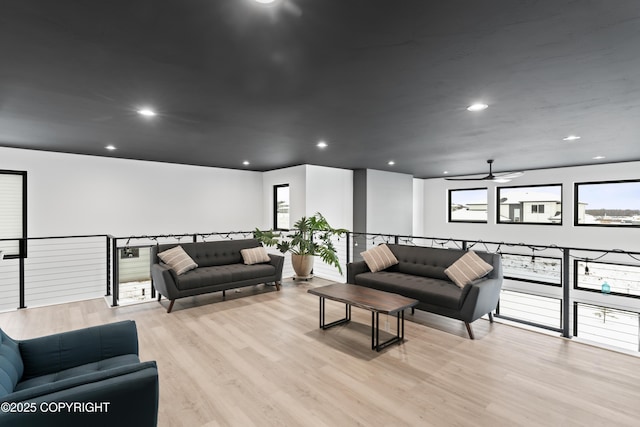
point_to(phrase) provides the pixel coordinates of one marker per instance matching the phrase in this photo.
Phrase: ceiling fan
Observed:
(500, 177)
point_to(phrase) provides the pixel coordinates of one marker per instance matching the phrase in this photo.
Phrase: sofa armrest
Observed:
(278, 262)
(164, 280)
(125, 393)
(481, 299)
(55, 353)
(355, 268)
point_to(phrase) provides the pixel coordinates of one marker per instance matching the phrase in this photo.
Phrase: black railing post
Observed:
(108, 265)
(115, 281)
(396, 239)
(348, 243)
(195, 238)
(23, 251)
(464, 245)
(566, 293)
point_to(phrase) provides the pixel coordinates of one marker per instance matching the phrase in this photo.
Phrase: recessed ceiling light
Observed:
(479, 106)
(264, 1)
(571, 138)
(110, 147)
(147, 112)
(391, 163)
(321, 144)
(445, 172)
(599, 157)
(246, 163)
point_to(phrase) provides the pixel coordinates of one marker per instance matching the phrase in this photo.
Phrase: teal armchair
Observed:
(91, 376)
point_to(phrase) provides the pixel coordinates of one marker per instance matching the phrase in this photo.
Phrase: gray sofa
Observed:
(220, 267)
(420, 275)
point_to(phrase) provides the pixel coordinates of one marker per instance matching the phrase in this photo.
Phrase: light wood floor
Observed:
(259, 359)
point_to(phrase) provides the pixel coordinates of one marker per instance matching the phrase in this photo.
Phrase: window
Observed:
(537, 208)
(13, 211)
(538, 204)
(281, 207)
(468, 205)
(607, 204)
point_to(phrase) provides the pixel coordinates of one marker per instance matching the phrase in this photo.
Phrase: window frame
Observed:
(22, 246)
(450, 212)
(275, 206)
(576, 200)
(498, 198)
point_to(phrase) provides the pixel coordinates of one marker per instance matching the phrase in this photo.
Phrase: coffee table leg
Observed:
(373, 331)
(375, 324)
(324, 325)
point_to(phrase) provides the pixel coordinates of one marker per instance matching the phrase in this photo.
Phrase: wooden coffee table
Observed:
(369, 299)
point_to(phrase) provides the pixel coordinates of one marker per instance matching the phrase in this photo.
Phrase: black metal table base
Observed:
(375, 325)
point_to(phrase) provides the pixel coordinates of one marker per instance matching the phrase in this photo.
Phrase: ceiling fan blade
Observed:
(498, 177)
(509, 175)
(484, 178)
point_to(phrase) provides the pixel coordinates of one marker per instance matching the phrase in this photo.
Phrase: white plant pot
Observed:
(303, 266)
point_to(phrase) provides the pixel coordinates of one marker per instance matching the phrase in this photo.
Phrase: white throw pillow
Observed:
(379, 258)
(178, 260)
(467, 268)
(255, 255)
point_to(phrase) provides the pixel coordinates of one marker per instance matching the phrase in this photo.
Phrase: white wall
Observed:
(297, 179)
(72, 194)
(389, 203)
(418, 207)
(330, 192)
(435, 211)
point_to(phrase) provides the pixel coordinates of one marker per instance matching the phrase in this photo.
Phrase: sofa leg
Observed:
(469, 330)
(277, 285)
(491, 317)
(413, 310)
(170, 306)
(159, 296)
(224, 294)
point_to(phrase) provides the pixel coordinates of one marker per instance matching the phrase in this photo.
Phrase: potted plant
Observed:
(309, 237)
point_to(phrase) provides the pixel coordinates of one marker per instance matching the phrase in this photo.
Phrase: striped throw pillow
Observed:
(379, 258)
(467, 268)
(178, 260)
(255, 255)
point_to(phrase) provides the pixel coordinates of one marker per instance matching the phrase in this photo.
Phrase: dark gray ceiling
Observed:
(234, 80)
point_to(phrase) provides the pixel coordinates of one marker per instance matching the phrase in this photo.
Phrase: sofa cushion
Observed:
(204, 276)
(102, 365)
(468, 268)
(255, 255)
(240, 272)
(434, 291)
(11, 366)
(178, 260)
(223, 274)
(379, 258)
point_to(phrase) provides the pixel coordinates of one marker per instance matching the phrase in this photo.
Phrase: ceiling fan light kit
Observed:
(500, 178)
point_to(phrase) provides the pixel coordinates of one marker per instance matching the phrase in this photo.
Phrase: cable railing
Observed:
(589, 293)
(54, 270)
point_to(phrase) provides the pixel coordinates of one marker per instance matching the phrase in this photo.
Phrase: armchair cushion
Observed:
(11, 366)
(77, 371)
(59, 352)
